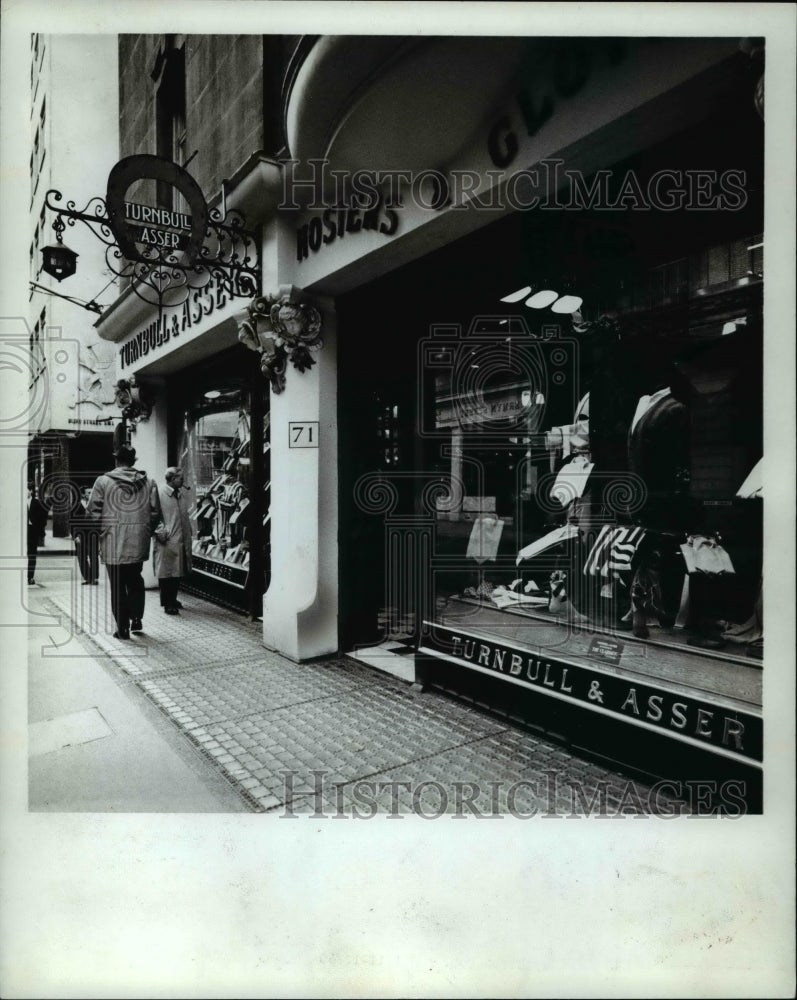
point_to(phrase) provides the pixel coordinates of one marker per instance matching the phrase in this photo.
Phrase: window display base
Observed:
(708, 704)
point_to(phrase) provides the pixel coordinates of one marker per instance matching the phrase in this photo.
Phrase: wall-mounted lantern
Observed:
(59, 261)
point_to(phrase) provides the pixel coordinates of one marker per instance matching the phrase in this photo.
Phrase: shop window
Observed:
(230, 506)
(217, 456)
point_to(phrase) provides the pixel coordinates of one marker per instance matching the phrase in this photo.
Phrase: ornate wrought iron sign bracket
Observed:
(165, 254)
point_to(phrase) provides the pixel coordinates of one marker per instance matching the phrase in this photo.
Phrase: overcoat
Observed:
(122, 502)
(37, 519)
(171, 544)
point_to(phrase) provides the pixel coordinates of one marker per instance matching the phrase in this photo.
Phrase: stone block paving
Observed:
(337, 737)
(510, 773)
(216, 693)
(168, 644)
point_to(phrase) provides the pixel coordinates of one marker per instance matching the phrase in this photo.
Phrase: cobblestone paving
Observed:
(337, 737)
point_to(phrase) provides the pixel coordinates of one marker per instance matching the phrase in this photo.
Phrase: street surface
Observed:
(195, 715)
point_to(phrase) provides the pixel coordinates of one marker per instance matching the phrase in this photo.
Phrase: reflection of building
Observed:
(72, 437)
(384, 455)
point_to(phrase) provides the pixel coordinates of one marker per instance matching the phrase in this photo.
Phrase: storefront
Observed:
(532, 377)
(549, 414)
(210, 417)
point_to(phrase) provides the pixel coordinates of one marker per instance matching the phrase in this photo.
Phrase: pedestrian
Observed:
(37, 519)
(171, 549)
(123, 502)
(84, 533)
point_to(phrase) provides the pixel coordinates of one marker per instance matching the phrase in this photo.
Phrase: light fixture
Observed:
(59, 261)
(561, 304)
(517, 296)
(540, 300)
(567, 304)
(212, 394)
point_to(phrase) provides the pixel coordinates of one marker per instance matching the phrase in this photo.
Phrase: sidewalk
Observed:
(254, 715)
(56, 546)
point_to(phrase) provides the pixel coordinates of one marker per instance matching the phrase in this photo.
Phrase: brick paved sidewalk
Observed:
(351, 739)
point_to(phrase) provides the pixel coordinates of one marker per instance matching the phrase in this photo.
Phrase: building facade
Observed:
(491, 417)
(72, 429)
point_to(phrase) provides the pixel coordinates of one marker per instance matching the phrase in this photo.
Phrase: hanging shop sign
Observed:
(158, 226)
(140, 243)
(717, 728)
(165, 255)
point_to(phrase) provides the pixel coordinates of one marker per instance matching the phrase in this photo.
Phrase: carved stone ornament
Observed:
(281, 331)
(135, 401)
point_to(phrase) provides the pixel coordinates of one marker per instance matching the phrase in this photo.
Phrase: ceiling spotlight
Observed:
(212, 394)
(542, 299)
(567, 304)
(517, 296)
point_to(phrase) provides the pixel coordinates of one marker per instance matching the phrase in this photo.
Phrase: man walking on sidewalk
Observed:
(84, 532)
(37, 519)
(124, 502)
(171, 551)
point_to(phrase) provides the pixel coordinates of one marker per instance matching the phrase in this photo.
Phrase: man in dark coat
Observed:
(123, 502)
(37, 519)
(84, 532)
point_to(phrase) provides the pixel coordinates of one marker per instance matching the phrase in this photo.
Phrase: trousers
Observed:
(33, 547)
(168, 587)
(127, 593)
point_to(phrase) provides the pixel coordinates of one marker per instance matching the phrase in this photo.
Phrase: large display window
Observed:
(649, 526)
(222, 445)
(551, 478)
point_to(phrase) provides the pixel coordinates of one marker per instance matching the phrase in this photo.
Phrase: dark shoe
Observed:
(172, 611)
(136, 625)
(178, 604)
(121, 635)
(84, 583)
(95, 583)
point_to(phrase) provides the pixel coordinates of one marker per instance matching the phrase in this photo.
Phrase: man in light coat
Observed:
(122, 501)
(171, 549)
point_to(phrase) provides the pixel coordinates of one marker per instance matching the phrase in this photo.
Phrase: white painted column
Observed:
(300, 608)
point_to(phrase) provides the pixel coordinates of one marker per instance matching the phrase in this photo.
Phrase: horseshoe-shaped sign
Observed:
(145, 166)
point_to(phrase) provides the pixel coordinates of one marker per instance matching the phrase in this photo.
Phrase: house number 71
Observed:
(303, 434)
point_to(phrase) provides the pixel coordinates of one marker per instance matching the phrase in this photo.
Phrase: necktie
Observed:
(176, 494)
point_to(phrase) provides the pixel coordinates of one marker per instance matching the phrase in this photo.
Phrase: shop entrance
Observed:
(219, 435)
